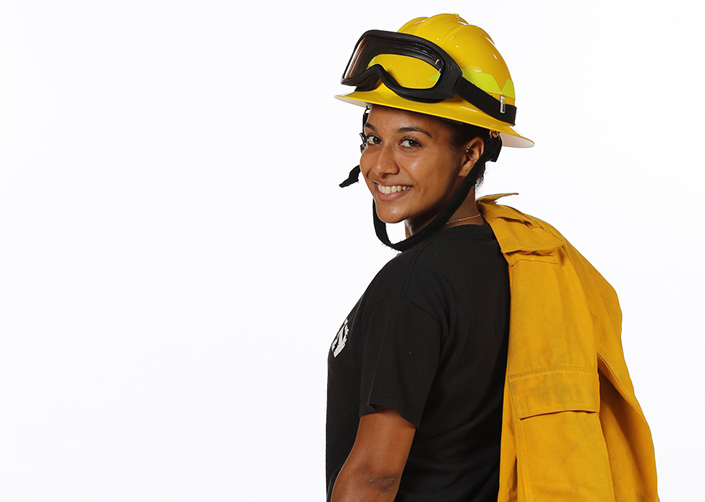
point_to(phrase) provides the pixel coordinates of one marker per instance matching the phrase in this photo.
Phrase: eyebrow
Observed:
(404, 129)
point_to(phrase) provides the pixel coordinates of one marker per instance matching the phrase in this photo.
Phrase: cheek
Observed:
(367, 162)
(365, 170)
(437, 174)
(365, 166)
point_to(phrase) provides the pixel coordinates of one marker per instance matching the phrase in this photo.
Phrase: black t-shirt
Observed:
(429, 339)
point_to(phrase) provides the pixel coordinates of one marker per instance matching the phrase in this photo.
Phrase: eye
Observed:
(409, 143)
(369, 139)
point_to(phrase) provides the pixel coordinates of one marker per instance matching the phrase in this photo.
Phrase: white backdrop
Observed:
(176, 256)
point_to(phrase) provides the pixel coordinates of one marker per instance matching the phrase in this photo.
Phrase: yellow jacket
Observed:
(572, 428)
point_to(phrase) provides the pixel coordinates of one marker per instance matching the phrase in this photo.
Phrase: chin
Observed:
(389, 218)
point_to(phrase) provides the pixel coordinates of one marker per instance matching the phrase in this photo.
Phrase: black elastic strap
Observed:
(485, 102)
(492, 149)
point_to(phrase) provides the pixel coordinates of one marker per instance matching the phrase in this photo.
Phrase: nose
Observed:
(382, 162)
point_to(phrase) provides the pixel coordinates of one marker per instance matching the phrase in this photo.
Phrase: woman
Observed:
(439, 387)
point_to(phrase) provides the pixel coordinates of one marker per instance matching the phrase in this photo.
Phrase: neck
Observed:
(467, 212)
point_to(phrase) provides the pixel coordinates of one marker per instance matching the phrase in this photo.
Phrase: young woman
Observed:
(483, 362)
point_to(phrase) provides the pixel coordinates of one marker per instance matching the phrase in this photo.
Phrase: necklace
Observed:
(463, 219)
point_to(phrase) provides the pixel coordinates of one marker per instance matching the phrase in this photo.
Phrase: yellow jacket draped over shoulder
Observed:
(572, 428)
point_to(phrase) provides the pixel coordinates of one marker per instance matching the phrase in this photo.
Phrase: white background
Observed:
(176, 256)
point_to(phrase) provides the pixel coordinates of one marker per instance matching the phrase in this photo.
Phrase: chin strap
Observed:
(353, 177)
(492, 148)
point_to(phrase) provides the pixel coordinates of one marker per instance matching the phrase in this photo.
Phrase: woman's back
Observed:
(428, 338)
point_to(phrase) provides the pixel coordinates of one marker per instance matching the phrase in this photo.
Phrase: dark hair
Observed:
(464, 133)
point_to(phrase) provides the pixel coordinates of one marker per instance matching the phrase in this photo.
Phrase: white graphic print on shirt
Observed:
(340, 339)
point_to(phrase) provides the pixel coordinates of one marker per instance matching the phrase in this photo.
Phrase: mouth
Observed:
(392, 189)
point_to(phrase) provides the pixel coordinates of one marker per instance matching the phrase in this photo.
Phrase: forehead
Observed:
(395, 118)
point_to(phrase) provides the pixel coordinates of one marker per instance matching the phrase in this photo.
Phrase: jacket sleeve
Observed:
(552, 389)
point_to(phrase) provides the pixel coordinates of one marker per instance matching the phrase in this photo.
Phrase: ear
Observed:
(473, 150)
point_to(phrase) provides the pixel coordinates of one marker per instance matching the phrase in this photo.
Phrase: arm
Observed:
(374, 467)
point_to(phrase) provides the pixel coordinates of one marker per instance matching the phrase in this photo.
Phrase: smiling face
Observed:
(410, 165)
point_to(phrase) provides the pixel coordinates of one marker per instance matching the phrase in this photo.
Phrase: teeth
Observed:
(392, 189)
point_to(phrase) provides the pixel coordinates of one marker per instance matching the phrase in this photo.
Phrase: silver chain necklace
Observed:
(463, 219)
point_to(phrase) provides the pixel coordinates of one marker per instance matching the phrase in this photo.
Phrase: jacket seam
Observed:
(553, 369)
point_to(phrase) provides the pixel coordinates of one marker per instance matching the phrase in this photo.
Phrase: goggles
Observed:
(364, 73)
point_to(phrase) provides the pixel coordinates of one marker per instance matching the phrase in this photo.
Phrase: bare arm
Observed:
(373, 469)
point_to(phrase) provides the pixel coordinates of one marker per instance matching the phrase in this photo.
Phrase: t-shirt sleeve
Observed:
(401, 345)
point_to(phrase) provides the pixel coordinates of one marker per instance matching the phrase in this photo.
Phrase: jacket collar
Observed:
(517, 232)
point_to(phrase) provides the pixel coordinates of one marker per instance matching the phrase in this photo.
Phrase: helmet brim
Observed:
(456, 109)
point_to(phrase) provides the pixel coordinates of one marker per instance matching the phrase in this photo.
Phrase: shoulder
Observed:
(439, 250)
(396, 276)
(435, 264)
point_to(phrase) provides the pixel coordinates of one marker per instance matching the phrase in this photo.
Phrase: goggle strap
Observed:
(485, 102)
